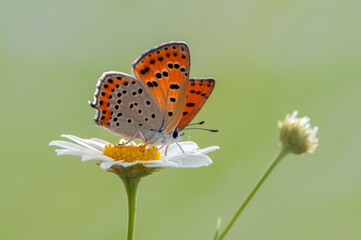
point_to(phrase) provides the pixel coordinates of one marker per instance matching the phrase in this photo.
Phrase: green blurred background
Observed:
(269, 58)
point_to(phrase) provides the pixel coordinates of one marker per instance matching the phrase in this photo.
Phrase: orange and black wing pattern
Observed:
(199, 91)
(164, 71)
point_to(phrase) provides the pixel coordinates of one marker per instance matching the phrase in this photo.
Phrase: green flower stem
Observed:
(273, 164)
(131, 185)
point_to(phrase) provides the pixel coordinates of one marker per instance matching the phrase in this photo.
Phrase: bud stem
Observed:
(217, 229)
(131, 185)
(280, 155)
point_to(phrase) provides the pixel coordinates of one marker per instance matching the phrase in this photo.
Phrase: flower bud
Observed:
(296, 134)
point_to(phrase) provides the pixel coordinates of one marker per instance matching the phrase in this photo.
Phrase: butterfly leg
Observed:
(151, 145)
(180, 147)
(138, 133)
(125, 143)
(142, 136)
(161, 148)
(166, 150)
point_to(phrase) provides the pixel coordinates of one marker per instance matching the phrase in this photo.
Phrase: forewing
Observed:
(199, 91)
(164, 72)
(124, 106)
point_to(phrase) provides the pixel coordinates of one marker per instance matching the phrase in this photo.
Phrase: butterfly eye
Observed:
(175, 133)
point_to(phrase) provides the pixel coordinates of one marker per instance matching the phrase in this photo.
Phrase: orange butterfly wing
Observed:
(164, 71)
(199, 91)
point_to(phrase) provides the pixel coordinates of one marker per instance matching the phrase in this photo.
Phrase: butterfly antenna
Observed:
(199, 123)
(210, 130)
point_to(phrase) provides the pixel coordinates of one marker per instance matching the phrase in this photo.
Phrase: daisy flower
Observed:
(120, 155)
(131, 162)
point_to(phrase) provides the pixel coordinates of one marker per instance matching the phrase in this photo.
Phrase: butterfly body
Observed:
(157, 102)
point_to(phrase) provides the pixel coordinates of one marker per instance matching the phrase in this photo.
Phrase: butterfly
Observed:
(158, 102)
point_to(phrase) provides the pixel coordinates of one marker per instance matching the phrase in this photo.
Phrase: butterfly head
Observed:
(160, 137)
(177, 135)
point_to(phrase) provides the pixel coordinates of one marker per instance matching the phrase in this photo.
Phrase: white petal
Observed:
(96, 157)
(160, 164)
(190, 160)
(80, 141)
(173, 149)
(98, 146)
(207, 150)
(128, 164)
(188, 146)
(101, 141)
(69, 152)
(106, 165)
(125, 164)
(67, 145)
(95, 144)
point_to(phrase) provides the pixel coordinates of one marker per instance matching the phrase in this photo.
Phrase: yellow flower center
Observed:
(131, 152)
